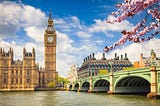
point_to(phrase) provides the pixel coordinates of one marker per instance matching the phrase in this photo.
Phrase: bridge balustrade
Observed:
(125, 81)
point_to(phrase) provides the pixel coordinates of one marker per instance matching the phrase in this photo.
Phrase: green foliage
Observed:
(51, 84)
(60, 79)
(63, 80)
(66, 81)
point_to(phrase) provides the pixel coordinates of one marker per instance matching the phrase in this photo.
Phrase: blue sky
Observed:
(80, 26)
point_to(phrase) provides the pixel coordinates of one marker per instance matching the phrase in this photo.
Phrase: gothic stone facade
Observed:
(18, 75)
(25, 74)
(50, 39)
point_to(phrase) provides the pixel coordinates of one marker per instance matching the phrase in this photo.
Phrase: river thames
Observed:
(63, 98)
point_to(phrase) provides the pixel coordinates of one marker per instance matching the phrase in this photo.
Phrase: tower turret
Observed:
(103, 58)
(24, 50)
(125, 56)
(153, 55)
(10, 50)
(3, 52)
(93, 56)
(33, 53)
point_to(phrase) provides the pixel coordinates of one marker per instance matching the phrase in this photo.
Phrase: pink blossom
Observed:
(138, 32)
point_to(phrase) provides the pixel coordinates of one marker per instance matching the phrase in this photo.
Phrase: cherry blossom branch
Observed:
(137, 34)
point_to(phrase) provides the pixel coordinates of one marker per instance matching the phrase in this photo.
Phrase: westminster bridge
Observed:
(134, 81)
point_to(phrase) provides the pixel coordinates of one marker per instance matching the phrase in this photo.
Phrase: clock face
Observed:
(50, 39)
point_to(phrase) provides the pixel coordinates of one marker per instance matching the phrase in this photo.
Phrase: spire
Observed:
(50, 20)
(50, 23)
(1, 50)
(24, 50)
(12, 50)
(50, 14)
(33, 51)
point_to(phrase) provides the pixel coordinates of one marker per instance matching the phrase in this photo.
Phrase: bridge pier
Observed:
(111, 86)
(153, 86)
(90, 86)
(79, 88)
(72, 87)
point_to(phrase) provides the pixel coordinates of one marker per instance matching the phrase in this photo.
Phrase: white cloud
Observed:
(14, 17)
(99, 41)
(98, 55)
(72, 24)
(64, 60)
(69, 24)
(35, 33)
(64, 43)
(83, 34)
(102, 26)
(59, 21)
(135, 49)
(32, 16)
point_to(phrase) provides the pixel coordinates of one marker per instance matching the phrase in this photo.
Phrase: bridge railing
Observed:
(120, 71)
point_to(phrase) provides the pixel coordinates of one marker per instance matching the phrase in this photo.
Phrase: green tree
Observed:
(62, 81)
(66, 81)
(51, 84)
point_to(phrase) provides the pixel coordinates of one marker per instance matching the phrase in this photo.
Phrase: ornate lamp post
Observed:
(111, 69)
(153, 86)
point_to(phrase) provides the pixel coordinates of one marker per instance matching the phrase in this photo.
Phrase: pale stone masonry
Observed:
(92, 66)
(25, 74)
(18, 75)
(72, 75)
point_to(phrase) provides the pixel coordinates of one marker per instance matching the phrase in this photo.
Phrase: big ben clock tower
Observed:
(50, 38)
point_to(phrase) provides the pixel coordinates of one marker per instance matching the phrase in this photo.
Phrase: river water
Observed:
(63, 98)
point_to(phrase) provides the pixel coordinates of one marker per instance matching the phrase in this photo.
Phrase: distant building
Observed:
(18, 75)
(72, 75)
(92, 67)
(147, 61)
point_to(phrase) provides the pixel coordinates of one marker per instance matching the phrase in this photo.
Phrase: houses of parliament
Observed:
(25, 74)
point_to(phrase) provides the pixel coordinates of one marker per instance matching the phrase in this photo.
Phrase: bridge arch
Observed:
(132, 85)
(70, 87)
(85, 86)
(101, 85)
(76, 86)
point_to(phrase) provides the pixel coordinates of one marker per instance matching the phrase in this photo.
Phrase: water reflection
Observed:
(62, 98)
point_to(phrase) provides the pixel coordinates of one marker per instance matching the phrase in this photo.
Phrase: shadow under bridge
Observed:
(85, 87)
(101, 85)
(132, 85)
(76, 87)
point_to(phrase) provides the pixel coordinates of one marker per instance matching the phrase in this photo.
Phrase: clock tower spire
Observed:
(50, 38)
(50, 23)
